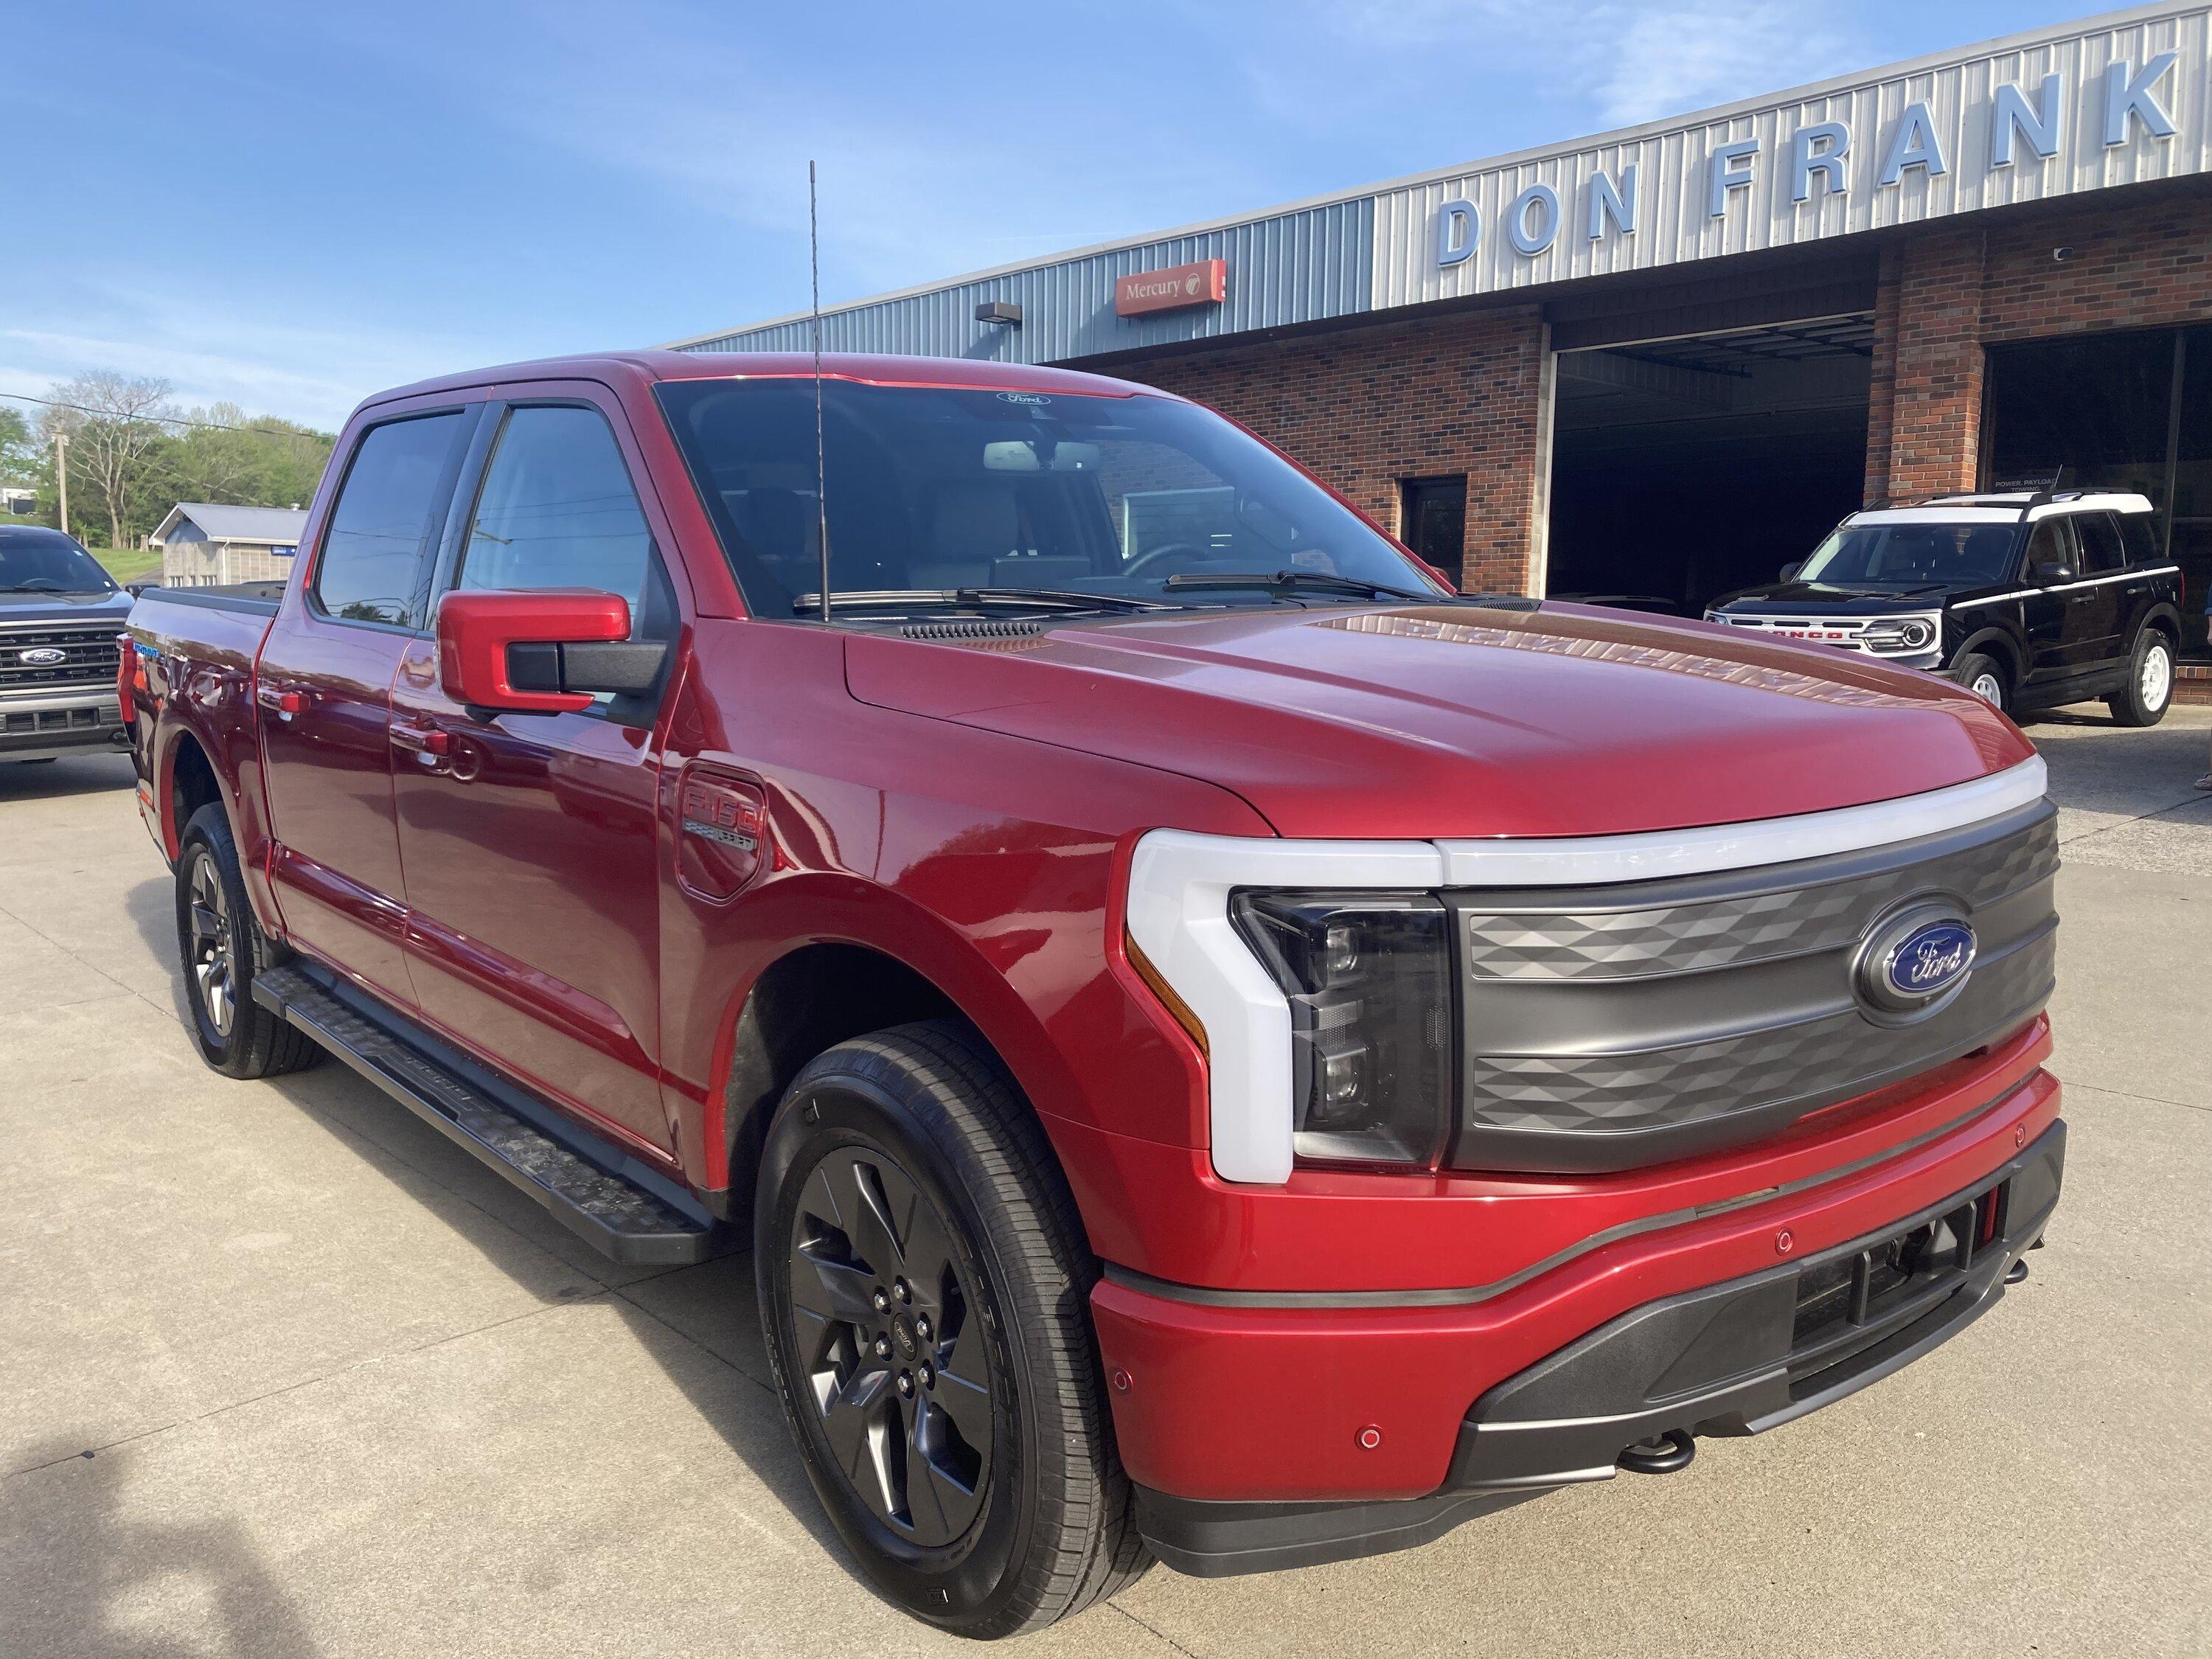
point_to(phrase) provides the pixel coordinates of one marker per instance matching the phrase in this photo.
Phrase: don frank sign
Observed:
(1206, 283)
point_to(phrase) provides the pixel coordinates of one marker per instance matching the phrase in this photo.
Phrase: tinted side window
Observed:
(2049, 543)
(2101, 552)
(379, 539)
(557, 510)
(2137, 536)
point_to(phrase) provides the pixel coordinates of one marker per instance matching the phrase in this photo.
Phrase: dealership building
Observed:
(1659, 364)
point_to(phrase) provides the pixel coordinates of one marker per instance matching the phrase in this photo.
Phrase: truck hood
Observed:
(65, 607)
(1457, 720)
(1799, 599)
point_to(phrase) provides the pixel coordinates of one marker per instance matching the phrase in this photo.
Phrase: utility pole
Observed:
(61, 477)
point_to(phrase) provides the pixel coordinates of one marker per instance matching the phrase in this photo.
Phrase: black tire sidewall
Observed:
(1971, 668)
(2127, 704)
(208, 837)
(832, 1106)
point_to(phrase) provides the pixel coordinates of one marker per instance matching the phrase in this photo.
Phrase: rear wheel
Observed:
(924, 1285)
(222, 948)
(2149, 689)
(1986, 678)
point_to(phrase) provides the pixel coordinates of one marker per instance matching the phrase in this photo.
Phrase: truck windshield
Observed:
(35, 561)
(936, 491)
(1901, 556)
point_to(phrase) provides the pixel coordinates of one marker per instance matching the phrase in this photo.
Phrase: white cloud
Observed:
(1669, 60)
(312, 374)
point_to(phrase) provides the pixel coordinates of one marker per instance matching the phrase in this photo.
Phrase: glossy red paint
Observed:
(521, 882)
(1310, 1377)
(475, 629)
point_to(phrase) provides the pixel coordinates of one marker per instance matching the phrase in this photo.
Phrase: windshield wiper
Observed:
(1053, 599)
(1287, 583)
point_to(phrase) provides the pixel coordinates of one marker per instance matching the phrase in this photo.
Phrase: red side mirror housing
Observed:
(475, 628)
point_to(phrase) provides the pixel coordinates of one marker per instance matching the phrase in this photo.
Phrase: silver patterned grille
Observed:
(1604, 1027)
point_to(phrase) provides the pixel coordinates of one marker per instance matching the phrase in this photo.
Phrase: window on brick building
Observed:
(1432, 520)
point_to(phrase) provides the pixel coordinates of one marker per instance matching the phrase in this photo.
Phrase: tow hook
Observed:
(1661, 1454)
(2017, 1272)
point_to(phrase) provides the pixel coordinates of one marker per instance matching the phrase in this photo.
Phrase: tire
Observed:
(221, 948)
(2148, 692)
(981, 1492)
(1986, 678)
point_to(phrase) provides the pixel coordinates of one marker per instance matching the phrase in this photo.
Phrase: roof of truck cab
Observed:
(876, 370)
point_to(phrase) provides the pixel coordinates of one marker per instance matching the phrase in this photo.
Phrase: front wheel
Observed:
(2149, 689)
(1986, 678)
(924, 1287)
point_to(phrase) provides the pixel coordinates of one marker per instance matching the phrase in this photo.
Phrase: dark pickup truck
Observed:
(2028, 599)
(61, 615)
(1221, 1048)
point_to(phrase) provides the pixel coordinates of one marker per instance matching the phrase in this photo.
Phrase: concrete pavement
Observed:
(282, 1373)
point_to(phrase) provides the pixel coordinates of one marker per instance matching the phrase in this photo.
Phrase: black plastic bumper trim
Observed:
(1461, 1296)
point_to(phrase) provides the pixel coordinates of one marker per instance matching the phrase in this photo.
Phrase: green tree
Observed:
(114, 424)
(244, 460)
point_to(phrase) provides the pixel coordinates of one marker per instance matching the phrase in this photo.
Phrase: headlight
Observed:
(1913, 634)
(1368, 978)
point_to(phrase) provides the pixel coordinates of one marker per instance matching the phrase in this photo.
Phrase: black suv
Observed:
(59, 617)
(2030, 599)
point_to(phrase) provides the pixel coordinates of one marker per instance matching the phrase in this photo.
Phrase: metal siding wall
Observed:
(1373, 253)
(1292, 268)
(1673, 226)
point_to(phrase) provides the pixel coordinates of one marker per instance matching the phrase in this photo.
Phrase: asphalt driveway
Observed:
(282, 1372)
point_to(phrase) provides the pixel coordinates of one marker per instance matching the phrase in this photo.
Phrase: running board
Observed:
(547, 1159)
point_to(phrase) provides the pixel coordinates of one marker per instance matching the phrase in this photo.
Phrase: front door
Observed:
(531, 845)
(325, 689)
(2049, 571)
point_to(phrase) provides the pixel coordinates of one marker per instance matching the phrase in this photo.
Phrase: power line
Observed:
(156, 420)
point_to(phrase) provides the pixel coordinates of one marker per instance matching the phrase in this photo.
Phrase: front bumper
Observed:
(48, 731)
(1270, 1437)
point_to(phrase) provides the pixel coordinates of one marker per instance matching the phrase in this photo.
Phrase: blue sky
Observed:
(289, 206)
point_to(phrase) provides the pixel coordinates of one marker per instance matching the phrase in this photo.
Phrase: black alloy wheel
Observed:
(221, 948)
(210, 950)
(893, 1362)
(925, 1293)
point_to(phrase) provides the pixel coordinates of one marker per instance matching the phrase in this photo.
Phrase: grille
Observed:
(1612, 1027)
(90, 657)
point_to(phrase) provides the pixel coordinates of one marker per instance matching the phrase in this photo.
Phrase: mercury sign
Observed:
(2017, 121)
(1205, 283)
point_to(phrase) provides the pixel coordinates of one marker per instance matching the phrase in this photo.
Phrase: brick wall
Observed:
(1927, 378)
(1367, 408)
(1946, 294)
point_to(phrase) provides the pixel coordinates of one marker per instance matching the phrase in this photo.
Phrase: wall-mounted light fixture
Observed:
(1002, 314)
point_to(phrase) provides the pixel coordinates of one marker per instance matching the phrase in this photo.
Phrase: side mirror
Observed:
(1789, 571)
(2046, 571)
(540, 654)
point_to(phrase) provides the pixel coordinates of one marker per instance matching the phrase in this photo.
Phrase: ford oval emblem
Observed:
(1912, 962)
(41, 656)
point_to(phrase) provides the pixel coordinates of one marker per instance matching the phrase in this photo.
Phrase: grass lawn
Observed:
(130, 564)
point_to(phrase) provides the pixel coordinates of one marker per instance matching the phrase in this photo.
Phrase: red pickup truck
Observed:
(1222, 1047)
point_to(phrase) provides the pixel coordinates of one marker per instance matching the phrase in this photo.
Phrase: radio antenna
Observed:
(821, 468)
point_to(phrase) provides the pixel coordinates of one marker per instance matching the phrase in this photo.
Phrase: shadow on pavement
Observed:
(72, 775)
(79, 1574)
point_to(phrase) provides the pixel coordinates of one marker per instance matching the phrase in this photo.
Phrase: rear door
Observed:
(323, 685)
(2098, 604)
(531, 847)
